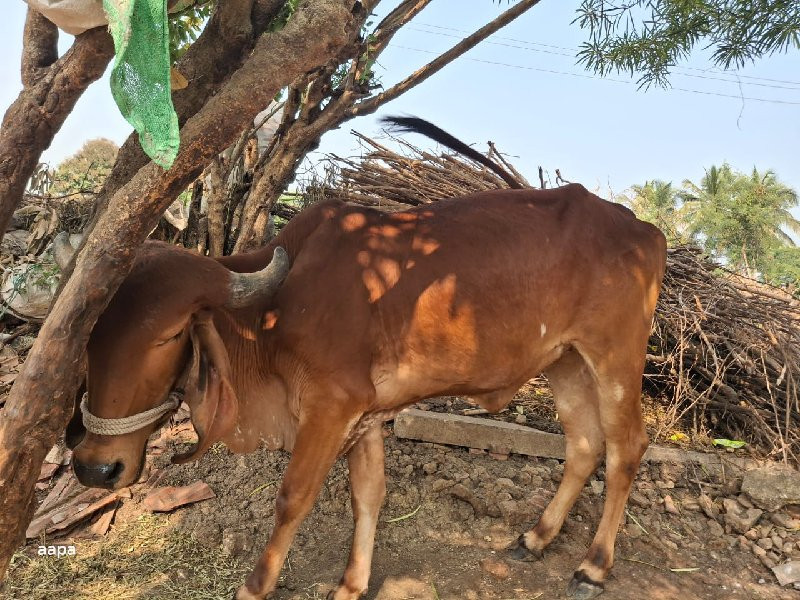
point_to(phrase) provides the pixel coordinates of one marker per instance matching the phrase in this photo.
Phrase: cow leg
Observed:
(626, 441)
(575, 393)
(368, 488)
(315, 450)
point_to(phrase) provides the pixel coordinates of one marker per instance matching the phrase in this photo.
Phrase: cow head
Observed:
(154, 345)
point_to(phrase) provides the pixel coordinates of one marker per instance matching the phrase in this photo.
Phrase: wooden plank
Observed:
(503, 438)
(471, 432)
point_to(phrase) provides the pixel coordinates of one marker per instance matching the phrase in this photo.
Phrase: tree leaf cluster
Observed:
(741, 219)
(649, 37)
(186, 21)
(86, 170)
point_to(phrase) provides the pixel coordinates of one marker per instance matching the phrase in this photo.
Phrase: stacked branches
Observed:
(724, 355)
(391, 181)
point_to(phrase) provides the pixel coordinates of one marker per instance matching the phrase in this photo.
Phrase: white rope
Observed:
(124, 425)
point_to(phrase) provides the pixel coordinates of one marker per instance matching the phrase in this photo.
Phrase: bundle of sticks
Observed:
(725, 353)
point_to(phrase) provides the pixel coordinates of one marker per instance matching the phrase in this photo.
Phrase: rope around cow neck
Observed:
(123, 425)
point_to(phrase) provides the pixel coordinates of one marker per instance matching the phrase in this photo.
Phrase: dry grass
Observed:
(146, 558)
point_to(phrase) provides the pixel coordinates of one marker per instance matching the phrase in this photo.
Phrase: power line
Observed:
(586, 76)
(571, 53)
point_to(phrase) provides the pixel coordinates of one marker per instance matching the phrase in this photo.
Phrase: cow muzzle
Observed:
(98, 475)
(111, 455)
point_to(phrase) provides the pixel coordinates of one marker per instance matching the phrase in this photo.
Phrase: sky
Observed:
(523, 89)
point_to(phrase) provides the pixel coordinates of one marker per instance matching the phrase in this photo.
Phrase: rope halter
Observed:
(124, 425)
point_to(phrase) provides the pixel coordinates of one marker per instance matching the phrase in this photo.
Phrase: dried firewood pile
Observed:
(724, 356)
(725, 352)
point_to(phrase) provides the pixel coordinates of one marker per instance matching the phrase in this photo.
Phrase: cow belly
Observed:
(491, 381)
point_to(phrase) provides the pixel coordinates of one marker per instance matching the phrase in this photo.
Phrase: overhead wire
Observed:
(586, 76)
(739, 96)
(571, 53)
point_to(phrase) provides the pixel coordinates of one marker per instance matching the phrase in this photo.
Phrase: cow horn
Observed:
(62, 250)
(249, 288)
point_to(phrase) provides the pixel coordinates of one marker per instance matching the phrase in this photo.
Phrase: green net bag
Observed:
(140, 81)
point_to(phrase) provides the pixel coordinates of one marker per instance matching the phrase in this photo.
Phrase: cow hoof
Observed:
(342, 593)
(581, 587)
(519, 551)
(244, 594)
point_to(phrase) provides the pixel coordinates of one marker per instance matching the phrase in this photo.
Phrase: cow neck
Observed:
(240, 332)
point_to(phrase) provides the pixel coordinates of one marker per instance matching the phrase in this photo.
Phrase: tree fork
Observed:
(51, 89)
(206, 65)
(303, 134)
(40, 401)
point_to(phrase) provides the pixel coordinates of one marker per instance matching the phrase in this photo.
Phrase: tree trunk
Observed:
(215, 201)
(50, 92)
(37, 407)
(267, 187)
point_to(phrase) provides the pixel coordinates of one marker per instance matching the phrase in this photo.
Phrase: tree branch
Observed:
(394, 21)
(41, 108)
(39, 47)
(371, 104)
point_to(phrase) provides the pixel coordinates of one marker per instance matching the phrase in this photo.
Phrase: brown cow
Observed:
(366, 313)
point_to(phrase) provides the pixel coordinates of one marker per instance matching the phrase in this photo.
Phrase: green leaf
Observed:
(729, 443)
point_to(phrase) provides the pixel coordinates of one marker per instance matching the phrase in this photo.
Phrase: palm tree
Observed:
(656, 202)
(740, 218)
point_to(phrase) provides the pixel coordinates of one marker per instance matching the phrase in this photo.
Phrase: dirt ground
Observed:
(461, 510)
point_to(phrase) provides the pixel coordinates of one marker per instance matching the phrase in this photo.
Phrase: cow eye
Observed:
(172, 339)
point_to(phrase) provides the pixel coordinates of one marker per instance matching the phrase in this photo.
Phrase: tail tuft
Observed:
(437, 134)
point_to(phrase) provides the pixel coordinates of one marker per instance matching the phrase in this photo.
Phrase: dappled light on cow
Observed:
(388, 249)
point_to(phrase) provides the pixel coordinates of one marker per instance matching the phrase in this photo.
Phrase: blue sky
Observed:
(523, 90)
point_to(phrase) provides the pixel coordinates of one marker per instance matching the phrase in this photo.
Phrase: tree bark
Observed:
(37, 407)
(48, 96)
(39, 47)
(215, 201)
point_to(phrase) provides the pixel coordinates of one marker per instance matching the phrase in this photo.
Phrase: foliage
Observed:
(656, 202)
(86, 170)
(739, 219)
(186, 20)
(649, 37)
(782, 268)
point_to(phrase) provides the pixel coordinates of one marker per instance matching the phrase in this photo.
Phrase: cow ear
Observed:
(211, 399)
